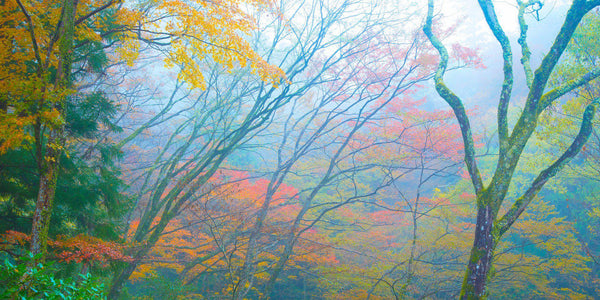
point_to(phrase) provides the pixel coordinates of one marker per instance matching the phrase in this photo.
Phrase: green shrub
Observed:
(18, 280)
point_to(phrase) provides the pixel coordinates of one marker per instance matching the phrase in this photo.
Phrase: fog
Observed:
(299, 150)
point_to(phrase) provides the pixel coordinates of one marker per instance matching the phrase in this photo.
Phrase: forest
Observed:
(299, 149)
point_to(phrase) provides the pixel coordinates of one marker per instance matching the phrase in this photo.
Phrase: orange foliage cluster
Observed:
(245, 195)
(79, 249)
(82, 248)
(212, 233)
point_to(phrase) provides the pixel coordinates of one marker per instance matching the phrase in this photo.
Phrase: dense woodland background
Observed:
(299, 149)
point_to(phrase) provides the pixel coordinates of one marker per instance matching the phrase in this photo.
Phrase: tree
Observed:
(208, 125)
(46, 56)
(490, 226)
(54, 159)
(338, 86)
(580, 202)
(46, 48)
(327, 137)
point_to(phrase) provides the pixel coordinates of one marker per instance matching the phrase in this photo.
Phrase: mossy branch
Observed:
(454, 101)
(592, 4)
(549, 97)
(520, 204)
(525, 52)
(533, 107)
(540, 79)
(65, 46)
(492, 20)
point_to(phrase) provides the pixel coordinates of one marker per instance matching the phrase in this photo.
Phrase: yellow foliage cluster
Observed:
(198, 30)
(30, 63)
(186, 32)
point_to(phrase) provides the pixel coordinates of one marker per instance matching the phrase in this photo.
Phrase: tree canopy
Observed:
(183, 149)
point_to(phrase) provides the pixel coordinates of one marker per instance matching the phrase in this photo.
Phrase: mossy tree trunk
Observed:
(49, 136)
(480, 261)
(489, 226)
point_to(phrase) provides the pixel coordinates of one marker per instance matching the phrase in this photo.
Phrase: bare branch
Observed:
(95, 11)
(36, 49)
(454, 102)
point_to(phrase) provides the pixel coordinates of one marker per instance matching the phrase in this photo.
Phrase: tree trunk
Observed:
(283, 259)
(44, 204)
(49, 162)
(148, 243)
(117, 283)
(480, 262)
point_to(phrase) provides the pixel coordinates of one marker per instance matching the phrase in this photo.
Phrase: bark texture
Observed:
(49, 152)
(489, 226)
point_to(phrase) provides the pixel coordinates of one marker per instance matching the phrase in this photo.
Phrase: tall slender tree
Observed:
(490, 195)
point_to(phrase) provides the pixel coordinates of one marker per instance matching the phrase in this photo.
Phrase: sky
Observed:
(481, 87)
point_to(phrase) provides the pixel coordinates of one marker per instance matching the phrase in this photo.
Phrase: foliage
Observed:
(20, 281)
(79, 249)
(188, 149)
(491, 195)
(541, 257)
(579, 200)
(88, 191)
(209, 238)
(163, 285)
